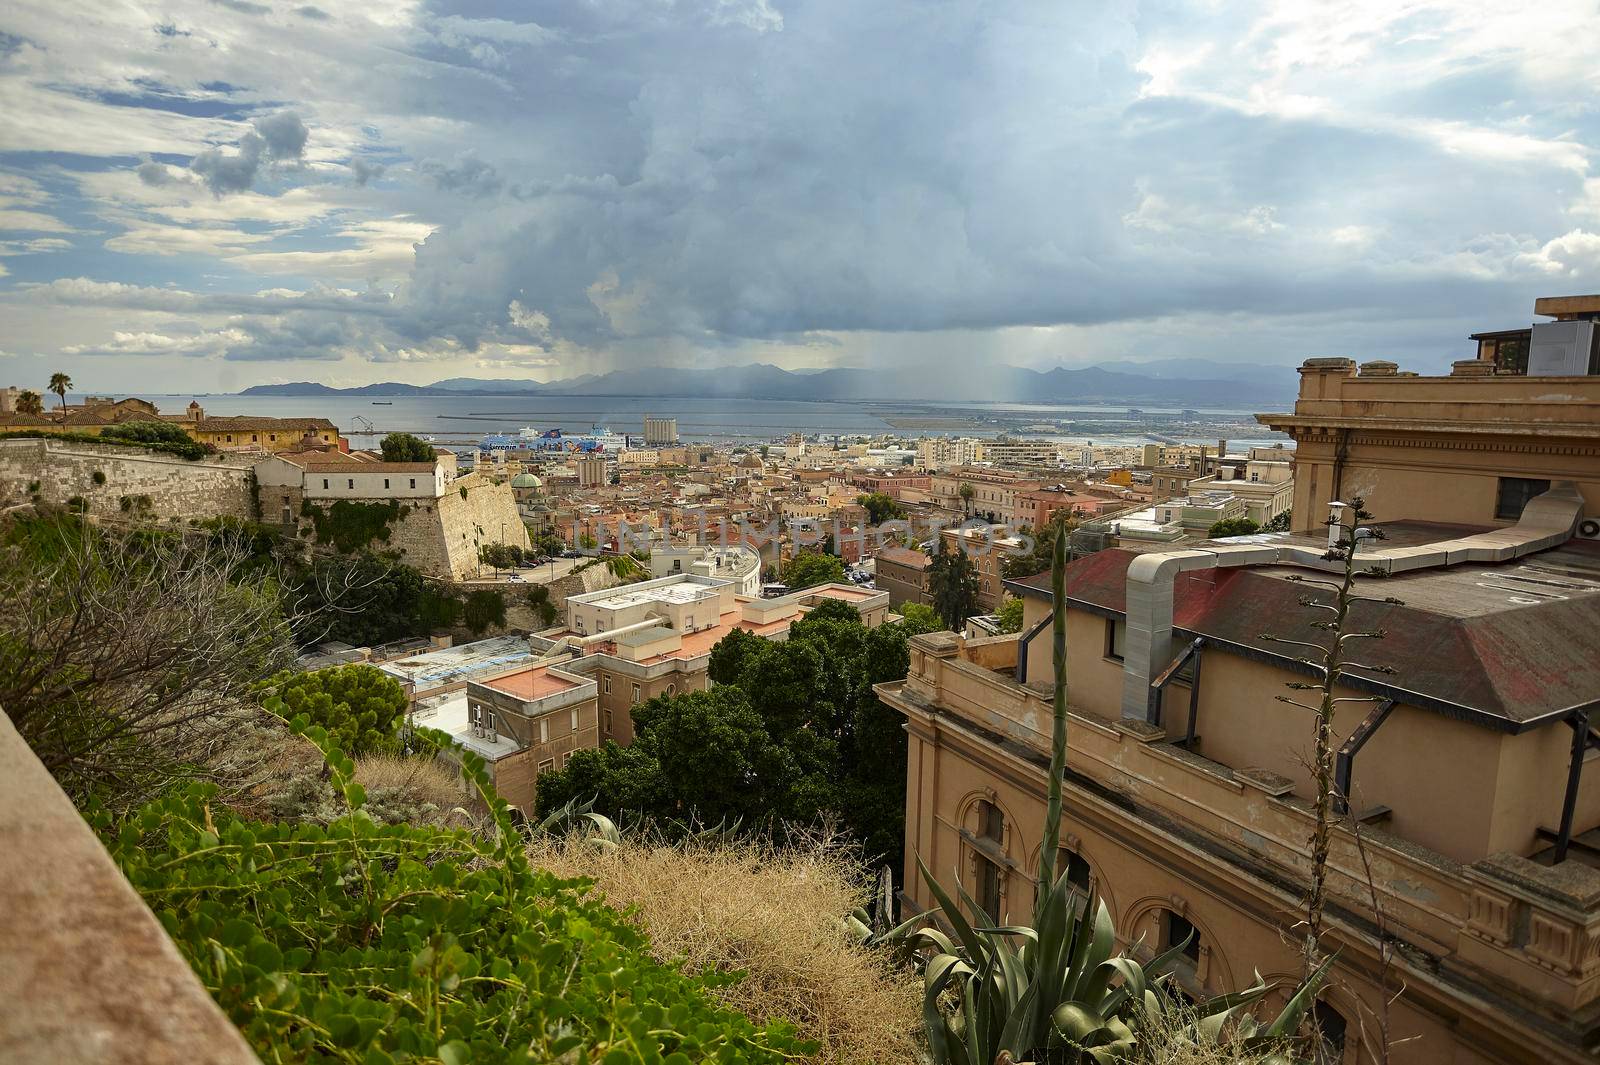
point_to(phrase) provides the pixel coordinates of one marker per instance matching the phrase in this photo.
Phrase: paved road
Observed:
(555, 569)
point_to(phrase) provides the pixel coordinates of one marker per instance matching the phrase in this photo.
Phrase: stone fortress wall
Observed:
(442, 537)
(157, 486)
(439, 537)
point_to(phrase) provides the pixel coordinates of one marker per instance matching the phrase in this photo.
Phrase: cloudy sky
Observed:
(207, 194)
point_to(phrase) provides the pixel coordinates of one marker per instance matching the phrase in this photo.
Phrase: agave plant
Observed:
(1059, 989)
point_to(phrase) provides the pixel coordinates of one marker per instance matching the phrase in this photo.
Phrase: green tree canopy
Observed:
(730, 654)
(364, 600)
(789, 730)
(1010, 615)
(360, 706)
(404, 447)
(881, 507)
(30, 402)
(953, 583)
(810, 568)
(1232, 527)
(1279, 522)
(920, 617)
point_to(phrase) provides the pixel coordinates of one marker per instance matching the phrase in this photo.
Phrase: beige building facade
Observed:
(1470, 448)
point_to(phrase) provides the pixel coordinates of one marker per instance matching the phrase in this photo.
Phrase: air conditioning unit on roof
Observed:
(1589, 529)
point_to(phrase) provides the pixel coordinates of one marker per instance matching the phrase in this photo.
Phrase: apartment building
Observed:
(995, 494)
(655, 637)
(527, 720)
(1020, 452)
(1187, 794)
(941, 452)
(903, 573)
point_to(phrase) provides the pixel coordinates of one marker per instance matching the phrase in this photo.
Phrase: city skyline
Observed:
(211, 195)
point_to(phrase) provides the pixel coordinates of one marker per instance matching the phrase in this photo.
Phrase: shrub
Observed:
(360, 706)
(484, 607)
(1010, 615)
(1232, 527)
(98, 477)
(186, 448)
(366, 943)
(350, 526)
(158, 436)
(77, 504)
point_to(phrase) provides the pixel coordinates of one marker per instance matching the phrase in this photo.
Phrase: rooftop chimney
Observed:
(1335, 522)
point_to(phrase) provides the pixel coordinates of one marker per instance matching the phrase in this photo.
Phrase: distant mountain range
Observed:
(1167, 382)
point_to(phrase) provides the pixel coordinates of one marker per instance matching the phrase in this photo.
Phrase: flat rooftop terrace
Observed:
(535, 682)
(671, 593)
(451, 664)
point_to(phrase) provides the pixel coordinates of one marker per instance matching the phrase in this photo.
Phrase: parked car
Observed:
(514, 577)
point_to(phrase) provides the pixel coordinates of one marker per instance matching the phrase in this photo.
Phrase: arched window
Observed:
(1075, 868)
(991, 829)
(1175, 929)
(1331, 1028)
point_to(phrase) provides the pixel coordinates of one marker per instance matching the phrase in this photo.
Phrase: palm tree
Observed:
(966, 492)
(61, 384)
(30, 403)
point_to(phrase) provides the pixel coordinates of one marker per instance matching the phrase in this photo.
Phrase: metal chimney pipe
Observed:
(1335, 523)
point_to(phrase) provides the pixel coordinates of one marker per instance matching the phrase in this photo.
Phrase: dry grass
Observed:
(1164, 1043)
(424, 780)
(772, 913)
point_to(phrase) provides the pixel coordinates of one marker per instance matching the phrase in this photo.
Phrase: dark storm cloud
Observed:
(154, 174)
(279, 138)
(363, 171)
(468, 175)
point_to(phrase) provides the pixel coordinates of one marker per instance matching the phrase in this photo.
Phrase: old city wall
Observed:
(156, 485)
(443, 537)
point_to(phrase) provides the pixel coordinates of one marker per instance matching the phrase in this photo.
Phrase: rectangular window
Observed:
(1116, 637)
(350, 482)
(605, 683)
(546, 766)
(254, 438)
(386, 482)
(574, 719)
(544, 730)
(635, 693)
(608, 722)
(324, 483)
(1514, 495)
(413, 482)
